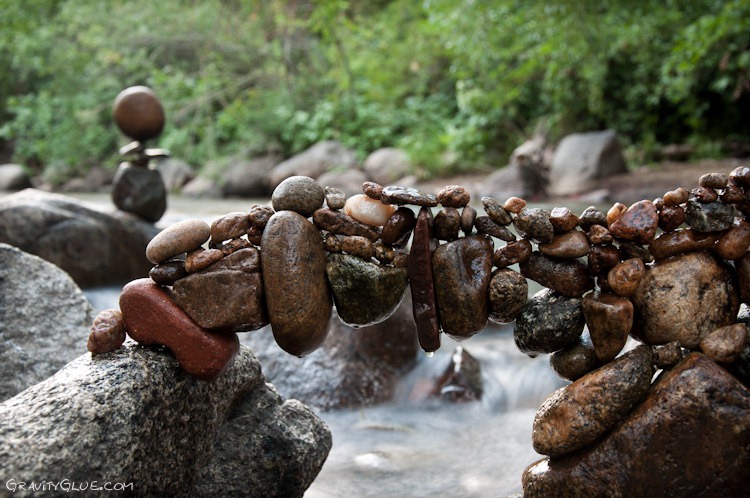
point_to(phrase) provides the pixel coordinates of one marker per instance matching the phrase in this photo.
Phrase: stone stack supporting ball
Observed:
(137, 188)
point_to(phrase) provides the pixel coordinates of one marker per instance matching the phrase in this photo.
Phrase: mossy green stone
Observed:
(365, 293)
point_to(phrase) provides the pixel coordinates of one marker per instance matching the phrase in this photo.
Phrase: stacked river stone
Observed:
(670, 273)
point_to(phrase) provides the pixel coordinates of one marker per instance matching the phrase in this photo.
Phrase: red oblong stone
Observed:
(421, 282)
(152, 318)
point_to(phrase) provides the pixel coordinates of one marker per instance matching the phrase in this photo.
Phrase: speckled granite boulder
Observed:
(130, 416)
(36, 341)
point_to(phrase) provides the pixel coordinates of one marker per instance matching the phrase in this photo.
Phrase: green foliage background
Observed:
(458, 84)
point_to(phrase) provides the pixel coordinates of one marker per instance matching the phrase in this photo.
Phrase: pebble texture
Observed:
(609, 319)
(297, 295)
(507, 295)
(578, 414)
(300, 194)
(676, 455)
(365, 293)
(36, 341)
(462, 271)
(227, 295)
(153, 319)
(683, 299)
(568, 277)
(548, 322)
(136, 419)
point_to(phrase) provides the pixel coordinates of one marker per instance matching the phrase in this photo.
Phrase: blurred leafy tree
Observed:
(457, 84)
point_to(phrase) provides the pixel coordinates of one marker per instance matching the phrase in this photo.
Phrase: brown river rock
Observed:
(293, 266)
(227, 295)
(462, 270)
(183, 236)
(624, 277)
(725, 344)
(609, 319)
(734, 243)
(683, 299)
(422, 284)
(638, 223)
(153, 318)
(578, 414)
(690, 437)
(568, 277)
(670, 244)
(569, 245)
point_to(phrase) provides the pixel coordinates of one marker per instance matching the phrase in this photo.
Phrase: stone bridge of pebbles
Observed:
(671, 273)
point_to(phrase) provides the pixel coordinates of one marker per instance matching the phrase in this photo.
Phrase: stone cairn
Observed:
(138, 188)
(670, 273)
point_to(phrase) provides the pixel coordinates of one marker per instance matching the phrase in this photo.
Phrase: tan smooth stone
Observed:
(367, 210)
(183, 236)
(569, 245)
(293, 263)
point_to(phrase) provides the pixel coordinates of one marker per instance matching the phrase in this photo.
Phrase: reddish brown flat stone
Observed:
(419, 271)
(152, 318)
(569, 278)
(638, 223)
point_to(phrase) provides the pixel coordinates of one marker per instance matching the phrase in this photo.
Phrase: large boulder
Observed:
(201, 187)
(690, 437)
(248, 177)
(353, 367)
(387, 165)
(349, 181)
(131, 418)
(175, 173)
(525, 175)
(94, 247)
(13, 177)
(582, 158)
(44, 320)
(313, 162)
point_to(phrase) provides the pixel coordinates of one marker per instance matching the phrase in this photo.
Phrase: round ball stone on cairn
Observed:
(136, 188)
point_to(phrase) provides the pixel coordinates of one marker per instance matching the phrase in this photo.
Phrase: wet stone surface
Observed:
(534, 223)
(683, 299)
(625, 276)
(461, 381)
(364, 292)
(518, 251)
(293, 266)
(709, 216)
(681, 241)
(495, 211)
(300, 194)
(447, 224)
(563, 219)
(573, 362)
(398, 228)
(487, 226)
(638, 223)
(548, 322)
(454, 196)
(568, 277)
(422, 284)
(609, 319)
(342, 224)
(580, 413)
(725, 344)
(408, 195)
(507, 295)
(462, 271)
(568, 245)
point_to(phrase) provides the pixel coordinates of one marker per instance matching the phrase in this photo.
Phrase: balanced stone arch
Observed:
(669, 273)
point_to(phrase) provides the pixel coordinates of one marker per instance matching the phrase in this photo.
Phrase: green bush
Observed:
(457, 84)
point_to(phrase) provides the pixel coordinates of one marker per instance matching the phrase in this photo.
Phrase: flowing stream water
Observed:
(426, 448)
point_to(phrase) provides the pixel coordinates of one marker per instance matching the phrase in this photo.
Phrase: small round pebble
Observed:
(624, 277)
(713, 180)
(667, 355)
(182, 237)
(617, 210)
(468, 215)
(357, 246)
(507, 295)
(367, 210)
(168, 273)
(335, 198)
(333, 243)
(592, 216)
(600, 235)
(229, 226)
(705, 194)
(518, 251)
(259, 215)
(563, 219)
(453, 196)
(107, 332)
(372, 190)
(671, 217)
(575, 361)
(300, 194)
(514, 205)
(201, 259)
(740, 176)
(447, 224)
(495, 211)
(732, 195)
(725, 344)
(676, 197)
(534, 223)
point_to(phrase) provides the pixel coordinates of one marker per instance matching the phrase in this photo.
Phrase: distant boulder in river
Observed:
(313, 162)
(94, 247)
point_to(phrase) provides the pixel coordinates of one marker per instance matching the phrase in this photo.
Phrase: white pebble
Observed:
(367, 210)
